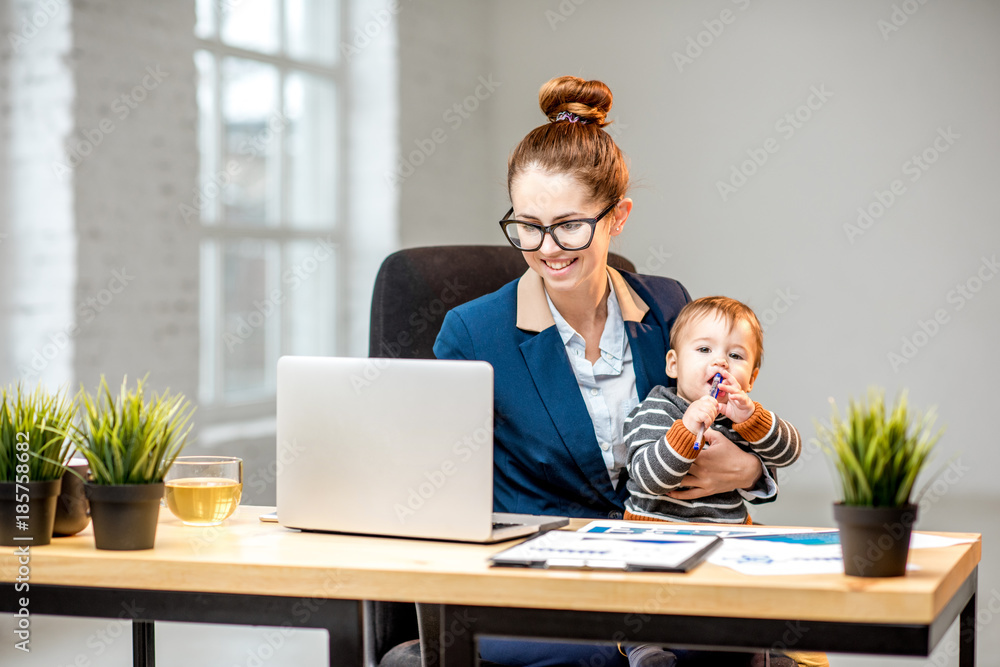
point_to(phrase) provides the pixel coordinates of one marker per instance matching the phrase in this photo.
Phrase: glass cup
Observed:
(204, 490)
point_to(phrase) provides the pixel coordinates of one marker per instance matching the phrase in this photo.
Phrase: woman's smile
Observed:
(558, 265)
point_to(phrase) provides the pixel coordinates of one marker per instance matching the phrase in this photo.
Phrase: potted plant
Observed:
(33, 457)
(130, 441)
(878, 452)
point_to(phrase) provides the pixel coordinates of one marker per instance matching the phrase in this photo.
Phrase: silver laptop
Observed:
(398, 447)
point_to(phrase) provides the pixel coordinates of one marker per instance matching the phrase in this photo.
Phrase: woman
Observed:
(573, 343)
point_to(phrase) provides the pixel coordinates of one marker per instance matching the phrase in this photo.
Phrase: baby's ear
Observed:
(672, 364)
(753, 378)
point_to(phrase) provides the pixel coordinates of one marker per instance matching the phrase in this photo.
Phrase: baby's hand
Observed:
(738, 406)
(701, 413)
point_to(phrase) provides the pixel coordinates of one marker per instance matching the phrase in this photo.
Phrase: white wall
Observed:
(447, 98)
(137, 257)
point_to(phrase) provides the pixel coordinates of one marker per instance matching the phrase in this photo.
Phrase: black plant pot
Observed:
(41, 513)
(875, 540)
(124, 515)
(72, 512)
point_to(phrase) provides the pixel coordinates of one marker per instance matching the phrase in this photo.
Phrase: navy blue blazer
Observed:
(546, 456)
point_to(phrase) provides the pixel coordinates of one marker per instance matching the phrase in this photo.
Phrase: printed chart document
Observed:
(763, 550)
(751, 549)
(642, 551)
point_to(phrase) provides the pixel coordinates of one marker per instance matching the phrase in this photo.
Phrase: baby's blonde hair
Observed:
(731, 310)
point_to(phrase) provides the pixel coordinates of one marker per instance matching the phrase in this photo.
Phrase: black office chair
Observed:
(414, 289)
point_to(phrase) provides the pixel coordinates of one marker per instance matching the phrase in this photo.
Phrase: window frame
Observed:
(216, 409)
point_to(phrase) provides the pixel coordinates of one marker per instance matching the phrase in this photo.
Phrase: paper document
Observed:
(609, 551)
(763, 550)
(718, 530)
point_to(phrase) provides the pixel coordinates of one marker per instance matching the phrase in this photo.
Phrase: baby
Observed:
(712, 336)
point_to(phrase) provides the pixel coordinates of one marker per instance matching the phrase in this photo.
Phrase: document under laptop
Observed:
(395, 447)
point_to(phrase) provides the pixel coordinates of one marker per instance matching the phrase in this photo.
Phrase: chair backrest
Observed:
(415, 287)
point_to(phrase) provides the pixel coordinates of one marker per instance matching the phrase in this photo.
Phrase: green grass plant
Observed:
(131, 438)
(42, 419)
(878, 451)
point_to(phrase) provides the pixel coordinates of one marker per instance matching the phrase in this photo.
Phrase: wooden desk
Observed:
(247, 572)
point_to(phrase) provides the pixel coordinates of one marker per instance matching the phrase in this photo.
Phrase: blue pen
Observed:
(715, 394)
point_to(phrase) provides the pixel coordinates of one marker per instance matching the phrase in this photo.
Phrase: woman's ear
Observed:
(621, 212)
(672, 364)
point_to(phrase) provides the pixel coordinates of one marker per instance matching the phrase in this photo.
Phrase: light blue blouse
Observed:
(607, 385)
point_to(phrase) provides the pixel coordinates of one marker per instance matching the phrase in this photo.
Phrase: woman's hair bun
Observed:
(590, 100)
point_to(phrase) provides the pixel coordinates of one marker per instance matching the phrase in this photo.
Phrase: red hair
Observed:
(578, 148)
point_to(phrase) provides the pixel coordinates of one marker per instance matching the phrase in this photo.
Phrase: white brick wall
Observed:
(101, 271)
(136, 85)
(39, 251)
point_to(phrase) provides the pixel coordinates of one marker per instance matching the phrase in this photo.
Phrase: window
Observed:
(270, 199)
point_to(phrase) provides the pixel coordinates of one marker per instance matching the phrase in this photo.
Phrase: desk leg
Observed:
(967, 634)
(345, 625)
(143, 644)
(457, 642)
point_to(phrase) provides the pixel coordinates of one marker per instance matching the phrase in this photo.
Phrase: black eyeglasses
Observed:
(568, 235)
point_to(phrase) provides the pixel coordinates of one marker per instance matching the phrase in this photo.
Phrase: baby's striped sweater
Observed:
(661, 450)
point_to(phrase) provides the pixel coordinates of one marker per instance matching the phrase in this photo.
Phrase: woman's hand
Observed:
(720, 467)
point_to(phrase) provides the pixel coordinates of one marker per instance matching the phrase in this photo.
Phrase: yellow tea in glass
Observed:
(204, 490)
